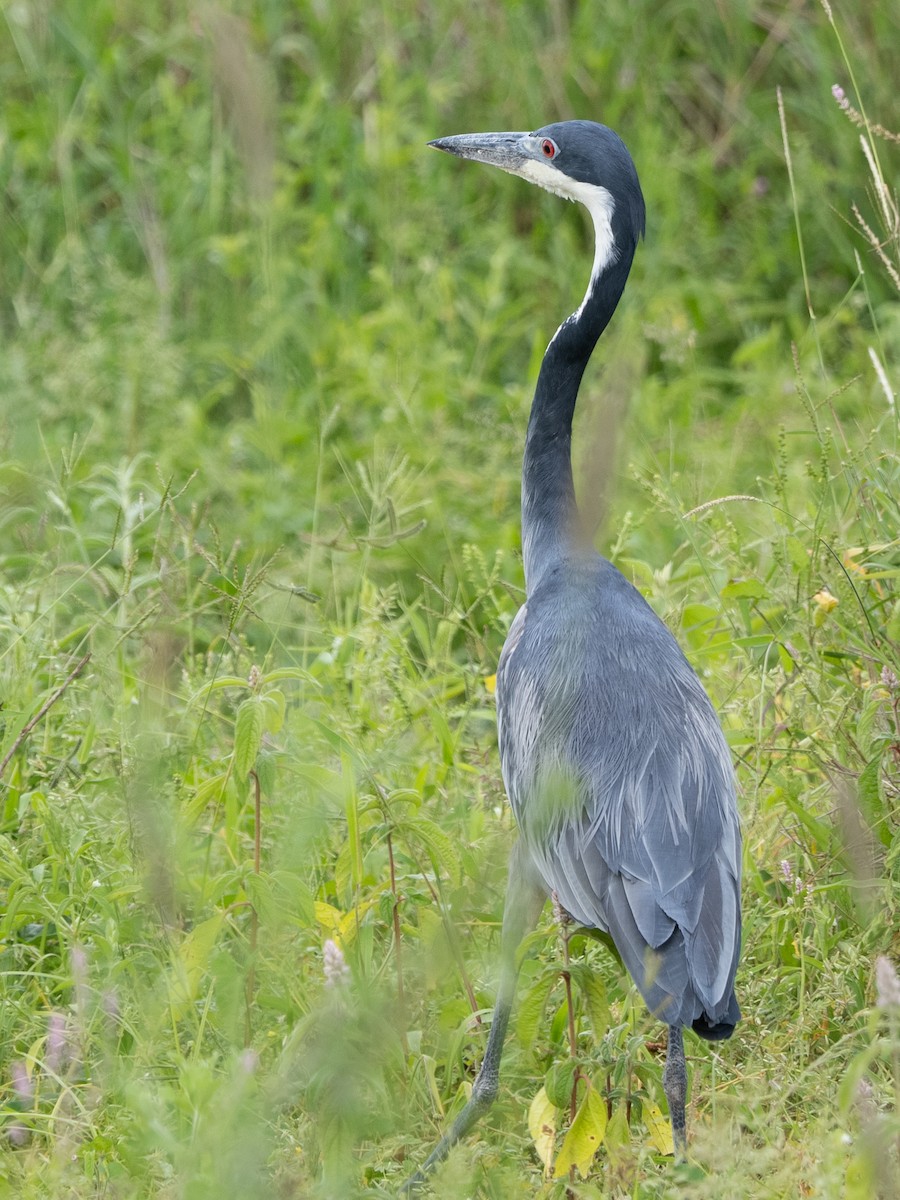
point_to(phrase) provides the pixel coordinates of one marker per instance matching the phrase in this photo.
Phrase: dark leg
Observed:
(524, 900)
(675, 1084)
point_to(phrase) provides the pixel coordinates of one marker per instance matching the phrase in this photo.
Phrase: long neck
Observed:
(550, 521)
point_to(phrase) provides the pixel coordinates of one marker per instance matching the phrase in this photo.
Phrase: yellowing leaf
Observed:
(542, 1117)
(659, 1128)
(343, 927)
(351, 921)
(329, 918)
(583, 1140)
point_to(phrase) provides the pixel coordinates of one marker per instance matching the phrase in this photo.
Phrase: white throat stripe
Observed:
(599, 203)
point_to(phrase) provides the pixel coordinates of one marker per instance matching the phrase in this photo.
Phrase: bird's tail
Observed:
(712, 1031)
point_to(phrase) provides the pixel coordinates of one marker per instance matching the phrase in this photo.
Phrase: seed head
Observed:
(337, 973)
(887, 984)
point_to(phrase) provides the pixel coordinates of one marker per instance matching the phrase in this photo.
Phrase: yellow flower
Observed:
(825, 600)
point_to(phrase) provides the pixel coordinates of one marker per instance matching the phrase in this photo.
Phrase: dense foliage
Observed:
(266, 366)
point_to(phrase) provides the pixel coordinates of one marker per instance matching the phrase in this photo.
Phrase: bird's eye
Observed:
(548, 148)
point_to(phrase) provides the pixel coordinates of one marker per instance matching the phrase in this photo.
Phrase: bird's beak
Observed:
(504, 150)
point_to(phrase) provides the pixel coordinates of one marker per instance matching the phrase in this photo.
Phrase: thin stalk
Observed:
(401, 997)
(445, 920)
(790, 169)
(453, 940)
(250, 989)
(563, 919)
(44, 709)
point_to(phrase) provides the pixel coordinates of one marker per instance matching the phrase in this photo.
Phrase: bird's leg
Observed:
(564, 921)
(524, 901)
(675, 1085)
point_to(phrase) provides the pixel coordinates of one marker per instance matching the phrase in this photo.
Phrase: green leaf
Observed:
(559, 1081)
(265, 772)
(274, 705)
(699, 617)
(439, 845)
(248, 735)
(190, 965)
(210, 791)
(531, 1010)
(798, 553)
(744, 589)
(585, 1136)
(618, 1132)
(594, 992)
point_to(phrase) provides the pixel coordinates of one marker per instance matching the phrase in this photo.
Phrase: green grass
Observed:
(265, 370)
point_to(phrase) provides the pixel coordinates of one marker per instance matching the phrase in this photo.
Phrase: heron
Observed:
(613, 758)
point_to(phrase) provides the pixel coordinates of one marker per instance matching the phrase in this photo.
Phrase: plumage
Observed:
(614, 761)
(623, 791)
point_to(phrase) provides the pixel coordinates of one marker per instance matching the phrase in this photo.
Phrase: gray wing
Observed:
(622, 786)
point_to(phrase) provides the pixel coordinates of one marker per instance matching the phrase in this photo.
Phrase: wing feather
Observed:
(624, 792)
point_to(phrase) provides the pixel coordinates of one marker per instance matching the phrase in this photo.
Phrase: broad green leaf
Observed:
(699, 616)
(799, 555)
(280, 896)
(222, 681)
(703, 628)
(542, 1118)
(618, 1132)
(659, 1127)
(586, 1134)
(559, 1081)
(248, 735)
(439, 845)
(290, 673)
(211, 791)
(744, 589)
(594, 992)
(190, 962)
(265, 772)
(274, 705)
(295, 897)
(531, 1010)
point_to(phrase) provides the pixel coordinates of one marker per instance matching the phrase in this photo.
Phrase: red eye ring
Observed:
(548, 148)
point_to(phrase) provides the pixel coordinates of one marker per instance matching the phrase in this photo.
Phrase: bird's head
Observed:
(580, 160)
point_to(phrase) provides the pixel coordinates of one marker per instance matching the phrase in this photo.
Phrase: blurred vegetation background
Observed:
(266, 367)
